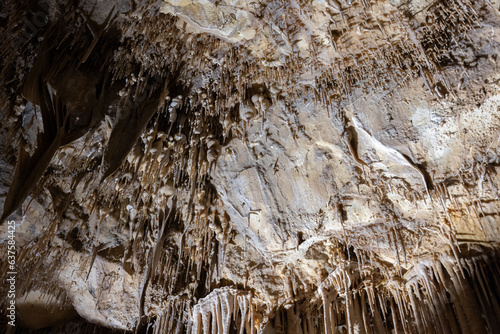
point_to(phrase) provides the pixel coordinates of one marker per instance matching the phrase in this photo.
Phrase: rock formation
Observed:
(251, 166)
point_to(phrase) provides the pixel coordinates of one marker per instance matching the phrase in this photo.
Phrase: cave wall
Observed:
(252, 166)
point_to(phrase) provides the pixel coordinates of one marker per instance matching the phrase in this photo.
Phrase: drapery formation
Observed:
(252, 166)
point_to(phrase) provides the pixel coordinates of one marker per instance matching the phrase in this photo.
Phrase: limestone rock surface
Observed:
(251, 166)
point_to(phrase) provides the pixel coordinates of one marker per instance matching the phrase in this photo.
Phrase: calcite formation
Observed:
(251, 166)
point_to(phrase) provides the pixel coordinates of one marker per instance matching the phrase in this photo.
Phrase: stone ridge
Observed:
(243, 166)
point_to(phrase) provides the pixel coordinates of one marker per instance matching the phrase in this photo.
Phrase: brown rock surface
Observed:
(241, 166)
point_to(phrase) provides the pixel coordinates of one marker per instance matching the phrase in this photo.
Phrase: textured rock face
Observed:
(252, 166)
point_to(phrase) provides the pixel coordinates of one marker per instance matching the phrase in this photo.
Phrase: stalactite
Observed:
(225, 306)
(431, 296)
(166, 163)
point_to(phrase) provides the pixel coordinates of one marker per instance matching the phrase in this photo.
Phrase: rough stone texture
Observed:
(252, 166)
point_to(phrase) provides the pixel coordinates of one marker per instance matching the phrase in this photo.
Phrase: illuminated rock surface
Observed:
(241, 166)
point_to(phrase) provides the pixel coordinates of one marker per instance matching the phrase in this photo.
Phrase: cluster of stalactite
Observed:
(424, 44)
(440, 296)
(153, 173)
(225, 310)
(162, 143)
(427, 45)
(149, 86)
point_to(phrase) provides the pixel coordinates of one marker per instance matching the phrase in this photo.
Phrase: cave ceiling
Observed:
(244, 166)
